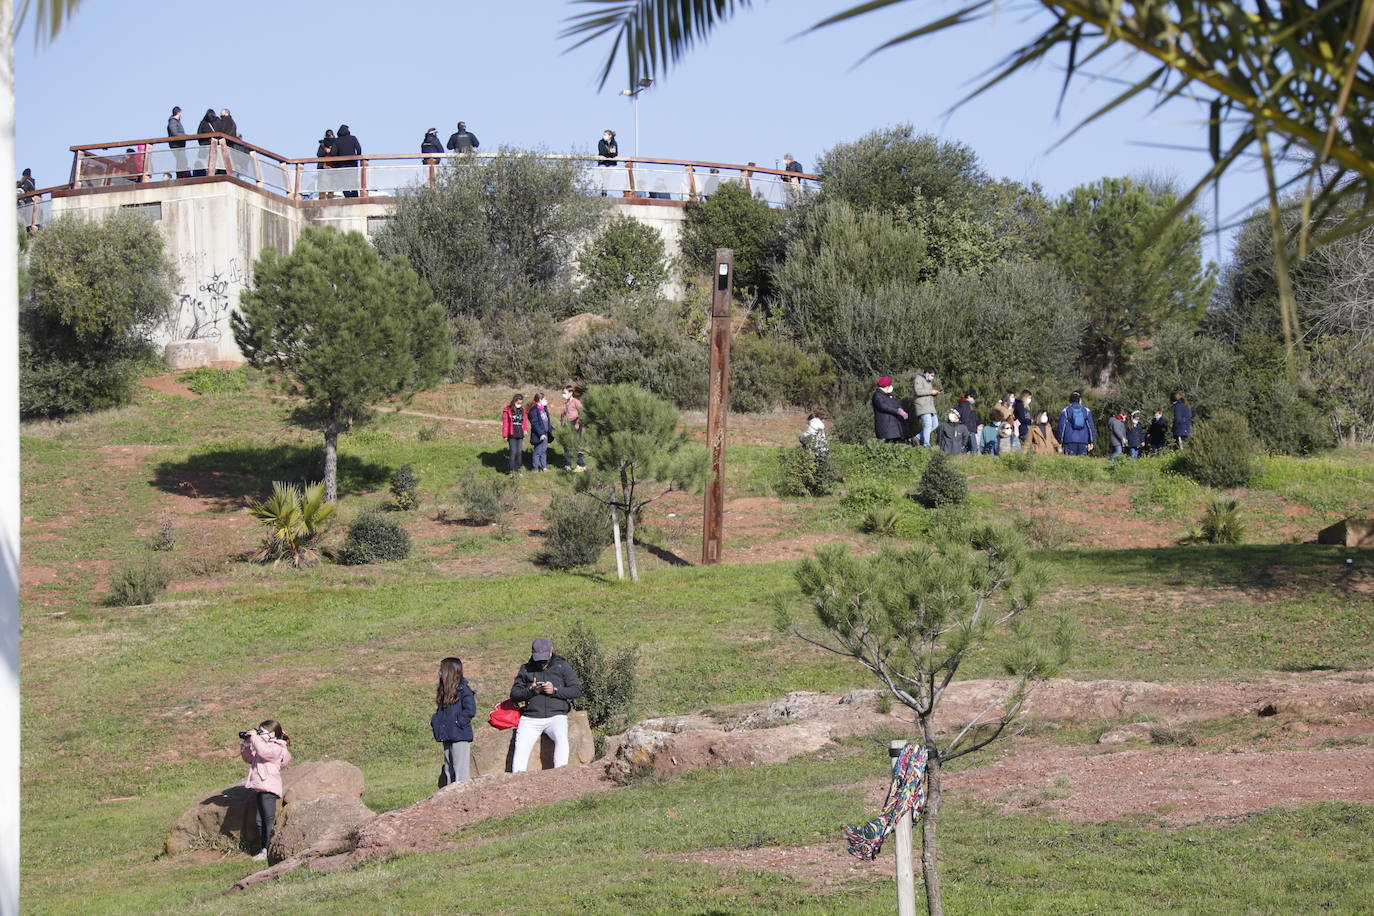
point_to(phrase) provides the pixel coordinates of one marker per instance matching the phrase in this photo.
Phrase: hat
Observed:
(954, 416)
(884, 382)
(541, 650)
(432, 130)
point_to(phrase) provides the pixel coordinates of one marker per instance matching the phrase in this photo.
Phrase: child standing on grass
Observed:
(455, 704)
(514, 423)
(1135, 434)
(266, 749)
(571, 419)
(1158, 435)
(541, 432)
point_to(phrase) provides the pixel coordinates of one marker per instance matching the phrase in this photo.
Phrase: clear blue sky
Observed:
(757, 89)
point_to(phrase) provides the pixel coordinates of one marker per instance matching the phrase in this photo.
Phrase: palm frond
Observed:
(49, 16)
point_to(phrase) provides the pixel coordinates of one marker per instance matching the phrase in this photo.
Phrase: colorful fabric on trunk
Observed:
(907, 792)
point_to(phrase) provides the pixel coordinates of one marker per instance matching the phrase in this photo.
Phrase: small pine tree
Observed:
(405, 487)
(941, 484)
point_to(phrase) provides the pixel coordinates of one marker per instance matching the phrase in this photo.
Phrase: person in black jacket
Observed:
(952, 435)
(345, 144)
(174, 129)
(888, 415)
(969, 417)
(1183, 418)
(463, 140)
(544, 684)
(1135, 434)
(431, 144)
(1158, 434)
(606, 148)
(208, 125)
(1020, 409)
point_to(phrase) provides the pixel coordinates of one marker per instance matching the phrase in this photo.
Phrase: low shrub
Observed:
(766, 372)
(405, 488)
(608, 680)
(888, 460)
(1044, 532)
(1172, 735)
(805, 470)
(930, 524)
(881, 520)
(941, 484)
(138, 582)
(1220, 453)
(487, 498)
(577, 530)
(854, 426)
(657, 356)
(1221, 523)
(865, 496)
(1172, 493)
(374, 538)
(206, 380)
(165, 539)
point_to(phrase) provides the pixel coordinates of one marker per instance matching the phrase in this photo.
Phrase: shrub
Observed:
(139, 582)
(624, 268)
(206, 380)
(405, 487)
(1220, 453)
(657, 357)
(608, 681)
(165, 539)
(766, 372)
(578, 528)
(1044, 532)
(854, 426)
(933, 524)
(374, 538)
(805, 471)
(1221, 523)
(881, 520)
(486, 497)
(865, 496)
(1170, 492)
(941, 484)
(888, 460)
(294, 518)
(513, 347)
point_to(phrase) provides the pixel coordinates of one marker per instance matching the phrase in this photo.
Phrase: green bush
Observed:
(487, 498)
(881, 520)
(578, 528)
(165, 539)
(207, 380)
(405, 488)
(374, 538)
(805, 471)
(608, 681)
(1221, 523)
(1220, 453)
(931, 524)
(867, 495)
(137, 582)
(888, 460)
(657, 357)
(515, 347)
(941, 484)
(766, 372)
(854, 426)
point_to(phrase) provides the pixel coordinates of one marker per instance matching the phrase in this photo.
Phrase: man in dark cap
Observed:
(463, 140)
(544, 684)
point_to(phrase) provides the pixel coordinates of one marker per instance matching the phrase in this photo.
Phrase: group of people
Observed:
(519, 422)
(1011, 425)
(543, 690)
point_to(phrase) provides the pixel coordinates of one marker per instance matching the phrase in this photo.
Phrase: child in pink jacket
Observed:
(266, 750)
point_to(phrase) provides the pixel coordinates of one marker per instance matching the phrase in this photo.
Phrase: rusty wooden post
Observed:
(718, 405)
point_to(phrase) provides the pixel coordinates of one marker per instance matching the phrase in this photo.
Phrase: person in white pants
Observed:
(545, 684)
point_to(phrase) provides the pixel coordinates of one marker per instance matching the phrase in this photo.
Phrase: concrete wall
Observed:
(216, 229)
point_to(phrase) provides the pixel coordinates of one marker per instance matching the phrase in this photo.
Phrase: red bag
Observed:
(505, 715)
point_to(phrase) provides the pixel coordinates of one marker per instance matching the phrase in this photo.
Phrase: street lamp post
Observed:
(644, 83)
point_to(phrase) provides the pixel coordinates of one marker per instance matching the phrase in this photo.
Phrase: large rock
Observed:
(492, 749)
(228, 818)
(1350, 532)
(325, 822)
(224, 819)
(647, 751)
(189, 354)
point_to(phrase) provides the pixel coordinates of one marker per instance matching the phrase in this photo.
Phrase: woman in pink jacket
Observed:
(266, 749)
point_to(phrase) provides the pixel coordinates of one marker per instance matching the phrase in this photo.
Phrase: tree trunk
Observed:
(630, 545)
(331, 459)
(615, 533)
(930, 824)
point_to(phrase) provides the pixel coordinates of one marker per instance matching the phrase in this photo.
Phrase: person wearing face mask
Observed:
(570, 418)
(953, 435)
(888, 415)
(925, 405)
(514, 423)
(1021, 411)
(541, 432)
(969, 417)
(607, 149)
(1041, 440)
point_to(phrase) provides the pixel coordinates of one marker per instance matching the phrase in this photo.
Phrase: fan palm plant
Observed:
(294, 518)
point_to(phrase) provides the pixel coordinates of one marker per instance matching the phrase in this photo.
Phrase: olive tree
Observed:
(340, 326)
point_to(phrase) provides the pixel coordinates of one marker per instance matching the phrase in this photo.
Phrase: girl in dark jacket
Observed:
(455, 704)
(1135, 434)
(1158, 434)
(326, 148)
(1183, 418)
(541, 432)
(514, 423)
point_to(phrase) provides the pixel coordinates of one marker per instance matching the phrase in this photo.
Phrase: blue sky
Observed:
(756, 90)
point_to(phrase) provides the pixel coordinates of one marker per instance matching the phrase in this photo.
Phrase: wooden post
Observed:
(300, 175)
(362, 178)
(906, 871)
(630, 173)
(718, 405)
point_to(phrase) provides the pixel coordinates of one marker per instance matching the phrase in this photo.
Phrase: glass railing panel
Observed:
(390, 177)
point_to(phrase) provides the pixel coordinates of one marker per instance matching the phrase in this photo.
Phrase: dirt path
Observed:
(168, 384)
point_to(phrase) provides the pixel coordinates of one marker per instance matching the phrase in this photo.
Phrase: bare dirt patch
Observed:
(168, 384)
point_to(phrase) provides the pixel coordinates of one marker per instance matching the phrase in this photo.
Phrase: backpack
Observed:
(1078, 416)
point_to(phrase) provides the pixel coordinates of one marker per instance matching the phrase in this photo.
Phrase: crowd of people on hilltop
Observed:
(1011, 424)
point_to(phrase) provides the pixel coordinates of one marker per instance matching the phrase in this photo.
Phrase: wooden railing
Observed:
(368, 177)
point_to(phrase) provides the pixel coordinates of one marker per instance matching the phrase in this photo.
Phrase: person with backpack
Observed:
(1158, 434)
(514, 424)
(455, 704)
(1076, 430)
(544, 684)
(1116, 426)
(888, 415)
(1183, 418)
(1135, 435)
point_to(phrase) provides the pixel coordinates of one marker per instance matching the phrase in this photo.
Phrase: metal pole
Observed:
(718, 405)
(637, 92)
(906, 872)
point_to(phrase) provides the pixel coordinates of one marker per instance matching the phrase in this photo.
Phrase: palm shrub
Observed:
(941, 484)
(374, 538)
(405, 487)
(294, 518)
(1220, 453)
(578, 528)
(1221, 522)
(882, 521)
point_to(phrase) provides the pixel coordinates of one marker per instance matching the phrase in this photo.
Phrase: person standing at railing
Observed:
(606, 150)
(208, 125)
(431, 144)
(326, 148)
(793, 184)
(174, 129)
(463, 140)
(26, 184)
(347, 145)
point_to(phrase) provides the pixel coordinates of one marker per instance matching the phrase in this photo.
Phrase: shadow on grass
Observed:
(1257, 566)
(663, 553)
(230, 475)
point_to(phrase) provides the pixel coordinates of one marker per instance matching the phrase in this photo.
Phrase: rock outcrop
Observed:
(492, 748)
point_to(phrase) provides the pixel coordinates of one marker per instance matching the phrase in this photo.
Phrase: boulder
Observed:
(190, 354)
(324, 823)
(1350, 532)
(226, 818)
(309, 780)
(643, 751)
(492, 748)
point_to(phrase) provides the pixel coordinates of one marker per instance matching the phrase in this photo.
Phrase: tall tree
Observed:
(1100, 236)
(625, 268)
(911, 618)
(894, 167)
(733, 218)
(340, 327)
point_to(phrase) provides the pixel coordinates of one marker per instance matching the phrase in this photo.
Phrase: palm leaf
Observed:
(655, 34)
(49, 16)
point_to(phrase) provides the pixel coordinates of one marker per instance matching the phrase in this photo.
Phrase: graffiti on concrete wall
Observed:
(202, 310)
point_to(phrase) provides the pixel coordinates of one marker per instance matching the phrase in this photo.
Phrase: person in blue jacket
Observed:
(541, 432)
(455, 705)
(1076, 430)
(1183, 418)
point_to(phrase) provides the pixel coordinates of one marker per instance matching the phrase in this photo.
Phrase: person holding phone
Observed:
(545, 684)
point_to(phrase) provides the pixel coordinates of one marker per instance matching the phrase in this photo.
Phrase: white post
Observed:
(615, 530)
(637, 92)
(906, 872)
(9, 497)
